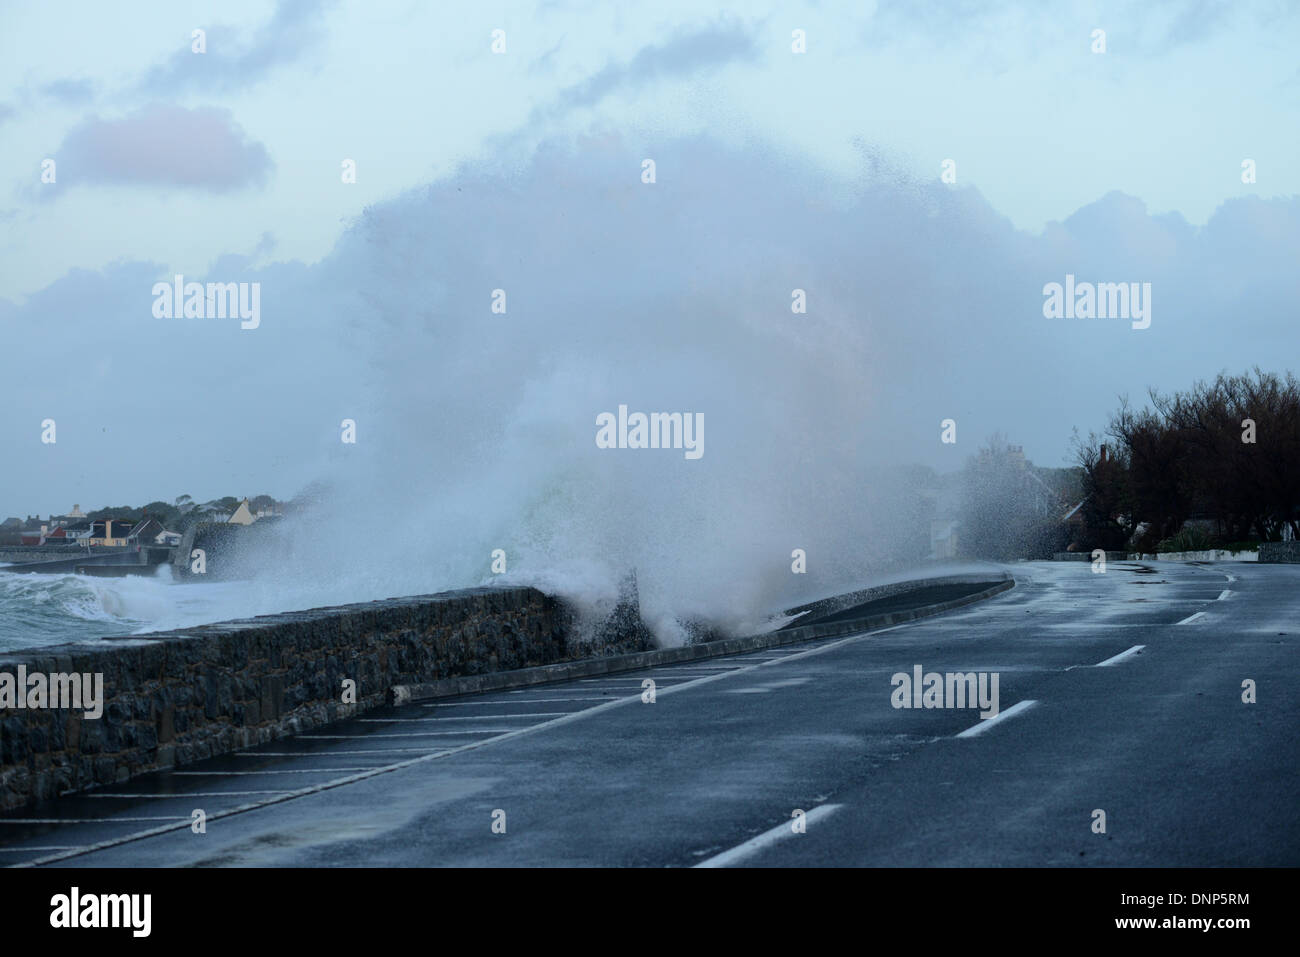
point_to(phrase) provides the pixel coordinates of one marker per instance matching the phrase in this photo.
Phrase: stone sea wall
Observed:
(171, 698)
(1279, 552)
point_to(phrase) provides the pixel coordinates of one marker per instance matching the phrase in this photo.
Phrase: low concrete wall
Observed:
(145, 558)
(837, 603)
(1206, 555)
(1087, 556)
(42, 553)
(171, 698)
(1279, 552)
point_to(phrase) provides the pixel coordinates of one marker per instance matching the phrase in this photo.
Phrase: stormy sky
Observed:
(522, 170)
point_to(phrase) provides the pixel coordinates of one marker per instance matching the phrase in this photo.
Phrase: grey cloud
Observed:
(1146, 27)
(163, 145)
(228, 64)
(71, 92)
(685, 53)
(546, 62)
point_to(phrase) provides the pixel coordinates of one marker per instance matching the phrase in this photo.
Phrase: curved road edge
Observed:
(565, 670)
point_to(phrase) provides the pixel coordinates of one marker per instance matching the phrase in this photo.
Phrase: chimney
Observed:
(1102, 460)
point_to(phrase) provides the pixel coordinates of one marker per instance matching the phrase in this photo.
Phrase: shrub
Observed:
(1188, 539)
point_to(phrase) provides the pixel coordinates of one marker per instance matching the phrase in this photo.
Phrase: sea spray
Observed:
(474, 409)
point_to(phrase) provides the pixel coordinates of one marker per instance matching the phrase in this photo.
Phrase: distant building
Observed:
(78, 531)
(945, 505)
(943, 538)
(145, 532)
(242, 515)
(75, 517)
(109, 532)
(11, 531)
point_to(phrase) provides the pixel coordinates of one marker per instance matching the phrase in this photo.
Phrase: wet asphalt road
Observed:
(585, 773)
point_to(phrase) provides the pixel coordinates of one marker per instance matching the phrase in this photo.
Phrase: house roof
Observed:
(146, 526)
(120, 527)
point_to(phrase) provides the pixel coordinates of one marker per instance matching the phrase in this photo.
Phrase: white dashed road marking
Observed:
(756, 845)
(986, 723)
(1116, 659)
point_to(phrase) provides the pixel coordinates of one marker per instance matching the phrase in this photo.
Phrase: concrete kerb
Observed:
(591, 667)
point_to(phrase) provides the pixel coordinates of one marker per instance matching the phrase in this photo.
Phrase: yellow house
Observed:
(110, 532)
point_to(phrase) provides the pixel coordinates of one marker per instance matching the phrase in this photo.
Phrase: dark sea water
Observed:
(37, 610)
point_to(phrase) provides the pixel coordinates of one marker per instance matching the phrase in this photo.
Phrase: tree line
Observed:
(1222, 455)
(179, 515)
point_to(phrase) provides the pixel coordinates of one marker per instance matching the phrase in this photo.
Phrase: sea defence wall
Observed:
(20, 554)
(218, 551)
(1087, 556)
(1279, 552)
(142, 560)
(1207, 555)
(1204, 555)
(170, 698)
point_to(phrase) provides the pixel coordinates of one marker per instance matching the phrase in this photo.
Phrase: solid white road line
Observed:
(192, 794)
(656, 676)
(756, 845)
(370, 735)
(1224, 594)
(86, 820)
(474, 717)
(725, 667)
(54, 847)
(331, 753)
(1116, 659)
(1018, 708)
(1191, 618)
(222, 774)
(467, 704)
